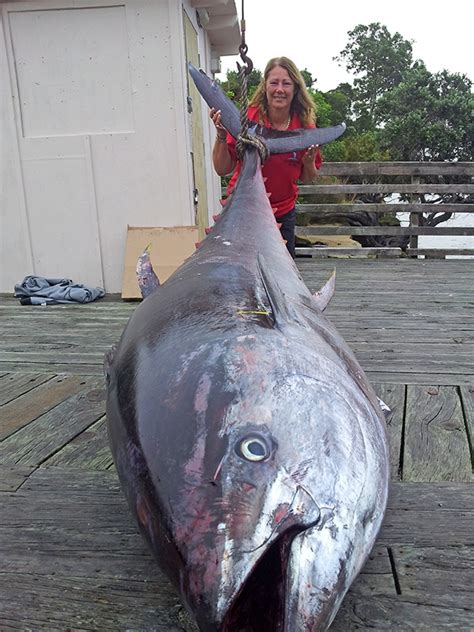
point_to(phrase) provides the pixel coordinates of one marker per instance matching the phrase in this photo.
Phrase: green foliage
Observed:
(322, 107)
(307, 78)
(379, 61)
(231, 85)
(365, 147)
(335, 152)
(340, 104)
(428, 117)
(395, 110)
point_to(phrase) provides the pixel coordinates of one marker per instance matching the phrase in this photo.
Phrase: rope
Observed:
(243, 139)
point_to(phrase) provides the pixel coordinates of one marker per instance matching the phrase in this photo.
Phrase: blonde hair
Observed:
(302, 104)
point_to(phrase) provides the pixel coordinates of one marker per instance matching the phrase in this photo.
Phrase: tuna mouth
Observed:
(260, 604)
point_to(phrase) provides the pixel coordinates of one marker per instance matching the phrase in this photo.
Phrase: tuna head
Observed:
(259, 497)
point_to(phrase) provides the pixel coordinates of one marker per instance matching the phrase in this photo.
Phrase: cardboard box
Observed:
(170, 246)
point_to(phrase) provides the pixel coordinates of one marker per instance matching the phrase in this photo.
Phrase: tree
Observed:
(231, 86)
(428, 117)
(307, 78)
(379, 60)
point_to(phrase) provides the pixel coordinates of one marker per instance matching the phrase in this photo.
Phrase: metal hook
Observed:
(248, 63)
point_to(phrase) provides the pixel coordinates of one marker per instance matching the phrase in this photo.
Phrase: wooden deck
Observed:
(70, 555)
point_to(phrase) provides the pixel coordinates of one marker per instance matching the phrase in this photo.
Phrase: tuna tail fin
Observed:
(299, 139)
(277, 142)
(323, 296)
(147, 280)
(215, 98)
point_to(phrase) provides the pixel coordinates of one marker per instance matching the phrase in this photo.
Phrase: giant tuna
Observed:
(247, 439)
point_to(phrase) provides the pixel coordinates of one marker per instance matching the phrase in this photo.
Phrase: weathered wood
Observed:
(417, 497)
(327, 251)
(440, 252)
(24, 409)
(393, 395)
(58, 367)
(90, 569)
(352, 189)
(89, 450)
(446, 574)
(385, 230)
(436, 445)
(322, 210)
(397, 168)
(34, 443)
(58, 603)
(395, 613)
(13, 385)
(12, 477)
(467, 399)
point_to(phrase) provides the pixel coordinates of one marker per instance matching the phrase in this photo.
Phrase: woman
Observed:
(280, 102)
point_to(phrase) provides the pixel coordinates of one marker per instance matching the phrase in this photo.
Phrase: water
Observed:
(446, 241)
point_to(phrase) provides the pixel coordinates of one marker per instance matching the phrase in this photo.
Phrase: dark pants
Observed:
(287, 230)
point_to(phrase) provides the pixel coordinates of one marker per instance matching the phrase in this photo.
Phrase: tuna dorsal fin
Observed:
(282, 311)
(147, 280)
(325, 294)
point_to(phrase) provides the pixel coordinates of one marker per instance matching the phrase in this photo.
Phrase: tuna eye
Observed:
(253, 449)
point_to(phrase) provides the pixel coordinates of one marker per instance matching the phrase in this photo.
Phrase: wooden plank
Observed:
(436, 446)
(328, 251)
(380, 612)
(397, 168)
(81, 563)
(454, 231)
(444, 576)
(417, 377)
(89, 450)
(394, 396)
(58, 367)
(440, 496)
(322, 210)
(12, 477)
(337, 189)
(58, 603)
(36, 402)
(34, 443)
(15, 384)
(467, 399)
(440, 252)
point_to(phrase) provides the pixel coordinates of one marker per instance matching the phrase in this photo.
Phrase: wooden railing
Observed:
(387, 179)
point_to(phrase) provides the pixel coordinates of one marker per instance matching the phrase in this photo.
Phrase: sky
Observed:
(312, 33)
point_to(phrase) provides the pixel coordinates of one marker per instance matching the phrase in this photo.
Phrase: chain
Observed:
(244, 140)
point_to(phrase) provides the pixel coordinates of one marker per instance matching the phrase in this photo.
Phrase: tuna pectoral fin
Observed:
(147, 280)
(322, 297)
(215, 98)
(282, 311)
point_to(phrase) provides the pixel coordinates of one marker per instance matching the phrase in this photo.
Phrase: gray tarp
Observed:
(35, 290)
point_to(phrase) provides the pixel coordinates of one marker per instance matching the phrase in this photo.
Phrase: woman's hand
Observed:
(310, 155)
(309, 171)
(216, 119)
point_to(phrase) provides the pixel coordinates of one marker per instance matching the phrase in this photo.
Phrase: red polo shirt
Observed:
(280, 170)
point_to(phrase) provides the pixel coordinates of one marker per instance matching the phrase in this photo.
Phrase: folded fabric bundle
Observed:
(36, 290)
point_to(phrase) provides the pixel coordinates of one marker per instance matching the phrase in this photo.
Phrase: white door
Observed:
(91, 130)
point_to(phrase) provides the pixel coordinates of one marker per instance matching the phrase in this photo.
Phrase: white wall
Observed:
(95, 134)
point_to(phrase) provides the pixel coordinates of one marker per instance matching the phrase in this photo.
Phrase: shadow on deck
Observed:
(71, 557)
